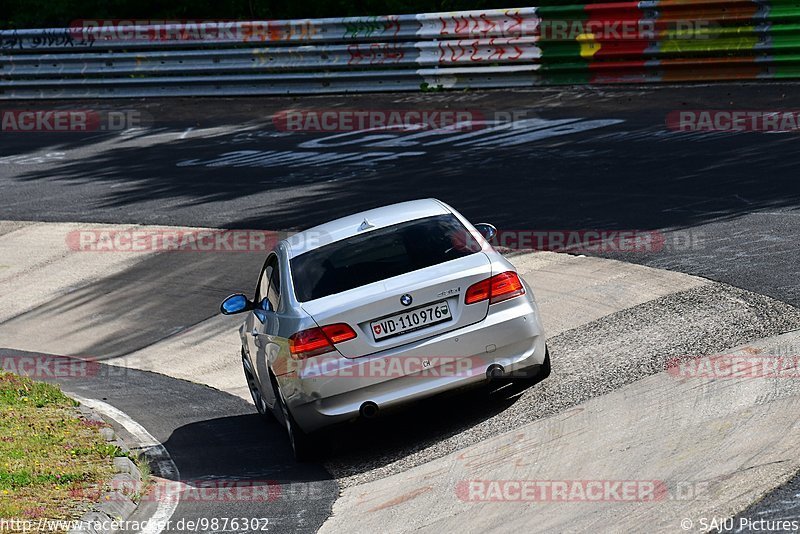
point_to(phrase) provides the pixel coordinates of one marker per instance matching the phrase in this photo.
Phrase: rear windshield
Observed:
(380, 254)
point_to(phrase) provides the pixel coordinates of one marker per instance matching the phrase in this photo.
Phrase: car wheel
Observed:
(252, 385)
(535, 373)
(301, 443)
(544, 371)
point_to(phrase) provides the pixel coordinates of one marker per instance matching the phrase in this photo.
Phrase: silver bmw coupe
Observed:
(380, 308)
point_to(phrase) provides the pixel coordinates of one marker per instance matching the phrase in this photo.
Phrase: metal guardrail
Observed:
(630, 42)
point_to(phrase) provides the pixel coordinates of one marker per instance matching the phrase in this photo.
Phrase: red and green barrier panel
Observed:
(669, 40)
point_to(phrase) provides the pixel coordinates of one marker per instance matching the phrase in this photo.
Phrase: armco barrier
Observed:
(626, 42)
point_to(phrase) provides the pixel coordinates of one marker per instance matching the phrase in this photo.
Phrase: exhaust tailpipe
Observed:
(369, 410)
(495, 372)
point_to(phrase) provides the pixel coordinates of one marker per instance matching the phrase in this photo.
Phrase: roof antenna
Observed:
(366, 225)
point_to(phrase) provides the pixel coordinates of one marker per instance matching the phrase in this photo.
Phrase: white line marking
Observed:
(153, 449)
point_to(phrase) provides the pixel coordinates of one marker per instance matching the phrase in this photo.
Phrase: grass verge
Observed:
(51, 460)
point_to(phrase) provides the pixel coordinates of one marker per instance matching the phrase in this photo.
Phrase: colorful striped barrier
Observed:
(594, 43)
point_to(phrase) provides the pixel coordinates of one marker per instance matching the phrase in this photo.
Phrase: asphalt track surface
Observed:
(616, 166)
(214, 439)
(611, 165)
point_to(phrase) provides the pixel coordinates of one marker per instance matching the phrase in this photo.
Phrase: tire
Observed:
(544, 371)
(301, 443)
(255, 391)
(535, 373)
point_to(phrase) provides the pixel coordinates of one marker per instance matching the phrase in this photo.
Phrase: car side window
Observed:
(269, 283)
(274, 288)
(263, 280)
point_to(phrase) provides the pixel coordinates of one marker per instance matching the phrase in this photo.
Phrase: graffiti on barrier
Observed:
(388, 26)
(375, 53)
(477, 51)
(483, 25)
(44, 39)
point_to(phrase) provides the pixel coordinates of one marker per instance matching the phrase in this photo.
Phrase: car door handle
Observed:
(255, 333)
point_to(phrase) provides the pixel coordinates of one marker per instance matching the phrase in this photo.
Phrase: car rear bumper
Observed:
(510, 336)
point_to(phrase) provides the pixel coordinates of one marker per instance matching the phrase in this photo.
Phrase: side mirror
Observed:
(488, 231)
(234, 304)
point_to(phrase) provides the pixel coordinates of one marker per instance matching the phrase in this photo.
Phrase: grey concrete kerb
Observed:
(116, 504)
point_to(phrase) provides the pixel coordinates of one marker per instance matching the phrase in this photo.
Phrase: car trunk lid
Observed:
(371, 309)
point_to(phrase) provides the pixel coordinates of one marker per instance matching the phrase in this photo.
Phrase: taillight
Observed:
(339, 332)
(478, 292)
(316, 341)
(506, 286)
(498, 288)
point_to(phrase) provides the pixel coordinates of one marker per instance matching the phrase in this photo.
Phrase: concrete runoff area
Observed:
(712, 444)
(611, 326)
(159, 311)
(575, 290)
(131, 301)
(588, 361)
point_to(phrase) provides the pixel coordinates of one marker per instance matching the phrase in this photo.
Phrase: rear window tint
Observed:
(380, 254)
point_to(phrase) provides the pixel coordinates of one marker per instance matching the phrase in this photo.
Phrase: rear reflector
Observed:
(498, 288)
(316, 341)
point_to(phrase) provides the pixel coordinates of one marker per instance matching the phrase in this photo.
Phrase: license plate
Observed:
(411, 320)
